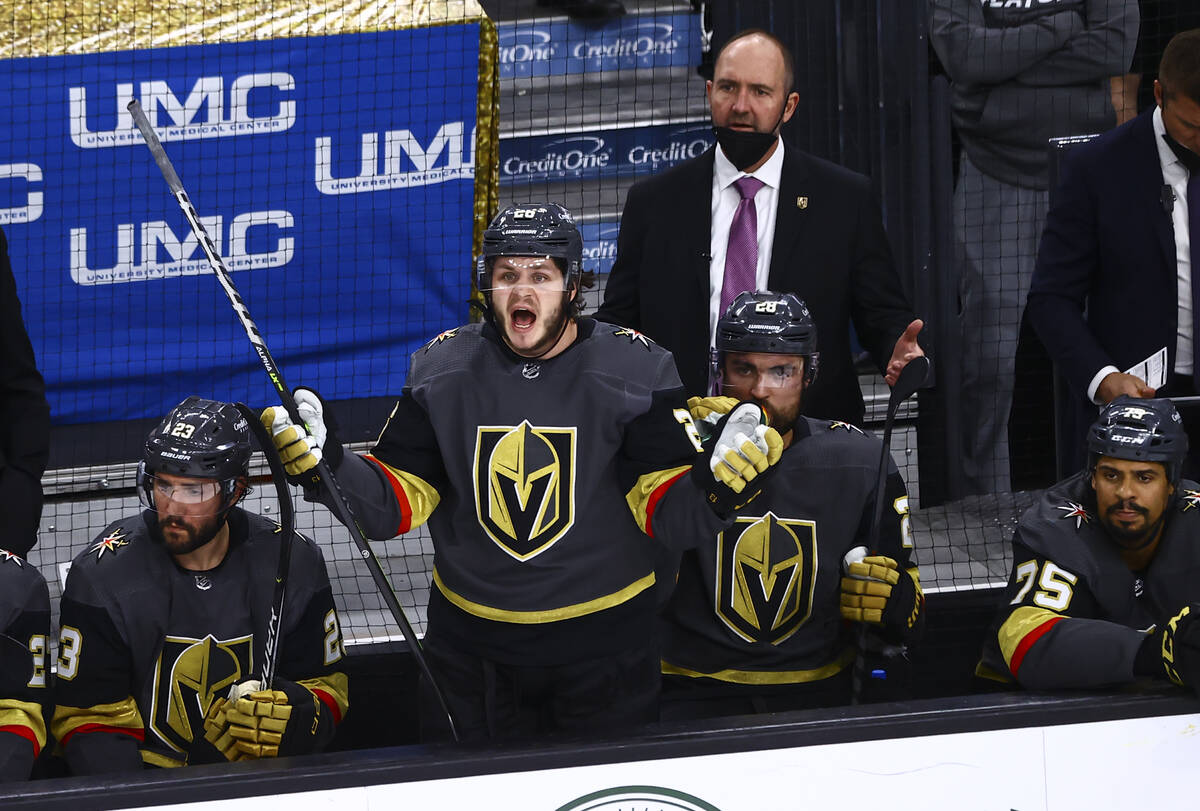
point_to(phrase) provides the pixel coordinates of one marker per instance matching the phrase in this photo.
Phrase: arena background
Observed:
(346, 156)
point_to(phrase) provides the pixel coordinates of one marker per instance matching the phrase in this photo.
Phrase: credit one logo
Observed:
(521, 46)
(682, 145)
(208, 110)
(153, 250)
(645, 39)
(564, 156)
(405, 162)
(600, 252)
(30, 173)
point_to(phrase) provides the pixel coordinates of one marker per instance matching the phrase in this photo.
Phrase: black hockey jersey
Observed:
(758, 604)
(540, 480)
(24, 646)
(146, 646)
(1074, 613)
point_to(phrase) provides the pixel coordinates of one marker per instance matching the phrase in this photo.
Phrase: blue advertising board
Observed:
(562, 47)
(602, 153)
(335, 174)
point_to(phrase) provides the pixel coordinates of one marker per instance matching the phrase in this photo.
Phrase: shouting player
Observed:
(167, 612)
(24, 645)
(762, 618)
(542, 448)
(1102, 589)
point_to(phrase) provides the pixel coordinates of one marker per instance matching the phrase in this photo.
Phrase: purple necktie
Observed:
(741, 257)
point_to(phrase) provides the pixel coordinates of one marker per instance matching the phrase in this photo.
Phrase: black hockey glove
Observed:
(254, 723)
(742, 450)
(300, 449)
(1173, 651)
(875, 590)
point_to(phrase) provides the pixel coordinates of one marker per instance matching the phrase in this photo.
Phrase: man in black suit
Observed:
(1116, 241)
(819, 234)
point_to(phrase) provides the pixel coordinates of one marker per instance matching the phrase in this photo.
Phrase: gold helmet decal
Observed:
(766, 570)
(525, 486)
(188, 675)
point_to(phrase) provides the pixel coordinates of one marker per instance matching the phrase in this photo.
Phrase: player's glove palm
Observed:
(742, 450)
(300, 450)
(875, 590)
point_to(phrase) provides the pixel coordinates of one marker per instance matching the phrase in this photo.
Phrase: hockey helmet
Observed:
(1141, 430)
(201, 439)
(533, 229)
(772, 323)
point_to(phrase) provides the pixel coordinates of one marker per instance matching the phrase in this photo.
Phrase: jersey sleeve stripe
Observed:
(649, 489)
(332, 690)
(84, 729)
(23, 718)
(120, 717)
(1023, 628)
(416, 497)
(22, 731)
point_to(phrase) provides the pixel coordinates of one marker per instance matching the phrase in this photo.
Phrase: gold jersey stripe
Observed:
(28, 714)
(421, 495)
(335, 685)
(644, 495)
(1019, 624)
(161, 760)
(767, 676)
(488, 612)
(121, 714)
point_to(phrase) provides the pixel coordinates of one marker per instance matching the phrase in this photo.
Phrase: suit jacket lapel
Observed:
(790, 221)
(695, 218)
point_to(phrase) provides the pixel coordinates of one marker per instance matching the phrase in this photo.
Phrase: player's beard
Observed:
(1129, 537)
(783, 420)
(553, 322)
(190, 535)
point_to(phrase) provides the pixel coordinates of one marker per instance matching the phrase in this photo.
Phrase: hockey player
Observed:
(167, 612)
(1102, 589)
(24, 645)
(762, 618)
(542, 448)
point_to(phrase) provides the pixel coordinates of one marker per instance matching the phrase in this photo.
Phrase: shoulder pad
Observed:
(114, 541)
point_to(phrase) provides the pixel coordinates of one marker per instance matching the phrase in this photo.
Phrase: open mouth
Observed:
(522, 319)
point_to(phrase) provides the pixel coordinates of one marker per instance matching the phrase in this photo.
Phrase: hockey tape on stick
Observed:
(912, 377)
(341, 504)
(287, 528)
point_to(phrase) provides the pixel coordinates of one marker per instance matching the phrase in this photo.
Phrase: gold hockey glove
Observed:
(301, 448)
(249, 724)
(707, 412)
(743, 449)
(876, 591)
(1177, 649)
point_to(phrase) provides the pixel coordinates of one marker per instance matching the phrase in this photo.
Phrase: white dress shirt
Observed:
(1175, 175)
(725, 199)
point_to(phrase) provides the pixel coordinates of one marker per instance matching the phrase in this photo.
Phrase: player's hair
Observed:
(789, 64)
(1179, 69)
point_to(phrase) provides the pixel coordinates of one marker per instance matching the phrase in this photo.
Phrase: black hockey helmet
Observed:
(201, 439)
(773, 323)
(533, 229)
(1142, 430)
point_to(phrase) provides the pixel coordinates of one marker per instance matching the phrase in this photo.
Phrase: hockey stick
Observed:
(287, 528)
(912, 377)
(340, 503)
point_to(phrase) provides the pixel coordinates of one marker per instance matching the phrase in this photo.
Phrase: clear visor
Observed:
(744, 375)
(155, 490)
(538, 273)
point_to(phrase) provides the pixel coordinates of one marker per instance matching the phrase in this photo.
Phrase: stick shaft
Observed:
(340, 502)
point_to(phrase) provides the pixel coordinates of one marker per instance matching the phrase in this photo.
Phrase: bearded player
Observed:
(763, 618)
(164, 619)
(542, 448)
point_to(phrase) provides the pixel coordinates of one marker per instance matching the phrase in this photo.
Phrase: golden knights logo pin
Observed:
(188, 676)
(1076, 511)
(110, 543)
(525, 486)
(766, 572)
(1191, 498)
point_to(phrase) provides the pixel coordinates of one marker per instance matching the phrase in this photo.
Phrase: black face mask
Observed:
(1186, 156)
(744, 149)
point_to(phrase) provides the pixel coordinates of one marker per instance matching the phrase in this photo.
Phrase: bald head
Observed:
(760, 51)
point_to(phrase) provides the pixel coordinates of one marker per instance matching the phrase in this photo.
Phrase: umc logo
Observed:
(525, 486)
(208, 110)
(32, 206)
(405, 161)
(163, 253)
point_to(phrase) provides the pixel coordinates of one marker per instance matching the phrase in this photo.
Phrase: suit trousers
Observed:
(997, 228)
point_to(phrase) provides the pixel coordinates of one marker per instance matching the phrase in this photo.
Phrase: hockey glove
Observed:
(1176, 649)
(707, 412)
(743, 449)
(301, 450)
(875, 590)
(255, 723)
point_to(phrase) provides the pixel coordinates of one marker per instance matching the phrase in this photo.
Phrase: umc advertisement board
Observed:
(335, 175)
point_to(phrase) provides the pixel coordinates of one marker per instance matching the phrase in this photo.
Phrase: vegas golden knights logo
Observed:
(188, 676)
(766, 569)
(525, 486)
